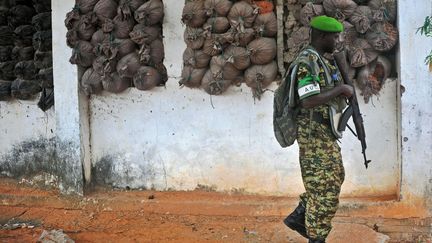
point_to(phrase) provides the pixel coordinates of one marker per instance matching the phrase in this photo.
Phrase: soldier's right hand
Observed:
(346, 90)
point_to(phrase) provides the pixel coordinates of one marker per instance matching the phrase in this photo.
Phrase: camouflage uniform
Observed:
(320, 158)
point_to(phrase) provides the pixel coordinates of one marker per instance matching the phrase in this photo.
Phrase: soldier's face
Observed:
(330, 40)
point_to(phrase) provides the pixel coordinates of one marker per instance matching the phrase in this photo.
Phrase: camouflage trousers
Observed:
(322, 173)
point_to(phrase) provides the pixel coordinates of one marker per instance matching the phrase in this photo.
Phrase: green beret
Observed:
(326, 24)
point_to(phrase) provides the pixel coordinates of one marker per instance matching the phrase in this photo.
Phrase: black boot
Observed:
(296, 220)
(316, 241)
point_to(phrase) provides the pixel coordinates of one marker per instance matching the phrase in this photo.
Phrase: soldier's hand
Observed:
(346, 90)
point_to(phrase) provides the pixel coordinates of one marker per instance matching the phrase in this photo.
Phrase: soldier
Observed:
(321, 95)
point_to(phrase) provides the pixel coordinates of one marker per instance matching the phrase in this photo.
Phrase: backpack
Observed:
(285, 102)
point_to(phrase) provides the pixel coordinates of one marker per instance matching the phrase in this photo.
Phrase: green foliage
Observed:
(426, 30)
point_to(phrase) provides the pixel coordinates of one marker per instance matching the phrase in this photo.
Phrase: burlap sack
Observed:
(143, 34)
(113, 83)
(104, 66)
(82, 54)
(217, 7)
(212, 47)
(122, 27)
(194, 14)
(105, 9)
(214, 86)
(238, 56)
(5, 53)
(42, 6)
(217, 25)
(85, 6)
(24, 89)
(43, 59)
(243, 38)
(259, 77)
(42, 40)
(72, 18)
(360, 53)
(242, 15)
(98, 37)
(362, 19)
(26, 70)
(383, 36)
(339, 9)
(23, 35)
(191, 77)
(91, 82)
(7, 70)
(262, 50)
(4, 12)
(6, 38)
(20, 15)
(195, 58)
(86, 26)
(146, 78)
(153, 53)
(5, 90)
(310, 1)
(371, 78)
(224, 70)
(42, 21)
(194, 37)
(265, 25)
(126, 8)
(309, 11)
(45, 77)
(383, 10)
(128, 65)
(150, 13)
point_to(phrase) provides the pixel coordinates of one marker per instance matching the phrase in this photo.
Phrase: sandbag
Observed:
(72, 18)
(23, 35)
(104, 66)
(383, 10)
(349, 35)
(243, 38)
(122, 27)
(128, 65)
(259, 77)
(97, 38)
(26, 70)
(6, 38)
(72, 38)
(42, 40)
(266, 25)
(20, 15)
(194, 14)
(91, 82)
(371, 77)
(5, 90)
(127, 7)
(222, 69)
(113, 83)
(262, 50)
(238, 56)
(213, 86)
(217, 7)
(7, 70)
(160, 67)
(191, 77)
(309, 11)
(105, 9)
(122, 47)
(5, 53)
(339, 9)
(42, 6)
(195, 58)
(242, 15)
(42, 21)
(361, 53)
(310, 1)
(45, 77)
(24, 89)
(146, 78)
(4, 12)
(217, 25)
(85, 6)
(212, 47)
(86, 26)
(143, 34)
(264, 6)
(382, 36)
(194, 37)
(362, 19)
(150, 13)
(46, 99)
(43, 59)
(153, 53)
(82, 54)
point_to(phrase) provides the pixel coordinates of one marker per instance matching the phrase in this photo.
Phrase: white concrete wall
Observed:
(171, 138)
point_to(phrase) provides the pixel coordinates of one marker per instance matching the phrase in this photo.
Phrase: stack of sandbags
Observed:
(369, 33)
(229, 42)
(25, 47)
(117, 43)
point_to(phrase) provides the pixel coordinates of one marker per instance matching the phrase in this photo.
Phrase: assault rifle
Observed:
(353, 108)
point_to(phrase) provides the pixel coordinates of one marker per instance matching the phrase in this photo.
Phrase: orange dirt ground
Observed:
(147, 216)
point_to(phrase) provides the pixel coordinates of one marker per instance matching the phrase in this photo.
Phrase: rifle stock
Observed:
(341, 62)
